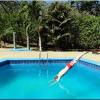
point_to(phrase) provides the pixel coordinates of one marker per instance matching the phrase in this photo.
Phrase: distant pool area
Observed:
(29, 78)
(21, 49)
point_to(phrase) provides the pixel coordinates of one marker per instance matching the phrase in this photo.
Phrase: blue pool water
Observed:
(33, 81)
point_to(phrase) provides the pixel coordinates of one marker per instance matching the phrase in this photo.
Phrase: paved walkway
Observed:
(7, 53)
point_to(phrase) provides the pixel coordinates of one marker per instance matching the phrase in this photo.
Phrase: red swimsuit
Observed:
(70, 64)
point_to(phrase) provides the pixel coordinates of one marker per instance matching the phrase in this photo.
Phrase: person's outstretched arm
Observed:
(61, 73)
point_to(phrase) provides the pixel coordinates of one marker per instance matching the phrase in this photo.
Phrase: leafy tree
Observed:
(92, 7)
(57, 24)
(8, 12)
(62, 25)
(90, 32)
(30, 13)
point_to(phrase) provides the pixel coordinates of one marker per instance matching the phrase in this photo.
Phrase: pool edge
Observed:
(59, 59)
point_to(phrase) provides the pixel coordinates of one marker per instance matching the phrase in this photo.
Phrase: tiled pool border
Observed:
(49, 60)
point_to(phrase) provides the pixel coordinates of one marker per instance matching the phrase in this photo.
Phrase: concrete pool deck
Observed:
(8, 53)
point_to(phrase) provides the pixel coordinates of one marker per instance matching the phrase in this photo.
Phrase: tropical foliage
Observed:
(59, 25)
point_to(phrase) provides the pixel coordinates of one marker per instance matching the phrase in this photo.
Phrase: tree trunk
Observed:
(14, 39)
(27, 35)
(40, 42)
(28, 46)
(40, 30)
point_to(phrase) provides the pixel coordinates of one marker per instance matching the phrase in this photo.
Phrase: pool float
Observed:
(68, 66)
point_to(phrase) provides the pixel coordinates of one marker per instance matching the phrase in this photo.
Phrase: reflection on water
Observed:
(62, 88)
(7, 75)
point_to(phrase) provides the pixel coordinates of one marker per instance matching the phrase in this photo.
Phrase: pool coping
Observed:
(51, 59)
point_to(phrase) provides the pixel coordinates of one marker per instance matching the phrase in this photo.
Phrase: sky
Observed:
(50, 1)
(42, 0)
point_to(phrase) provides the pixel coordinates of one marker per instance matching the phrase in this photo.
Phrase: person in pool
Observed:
(68, 66)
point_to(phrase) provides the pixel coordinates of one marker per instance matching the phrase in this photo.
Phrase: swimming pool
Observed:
(31, 79)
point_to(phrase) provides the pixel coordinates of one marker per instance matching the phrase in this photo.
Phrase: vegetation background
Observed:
(51, 26)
